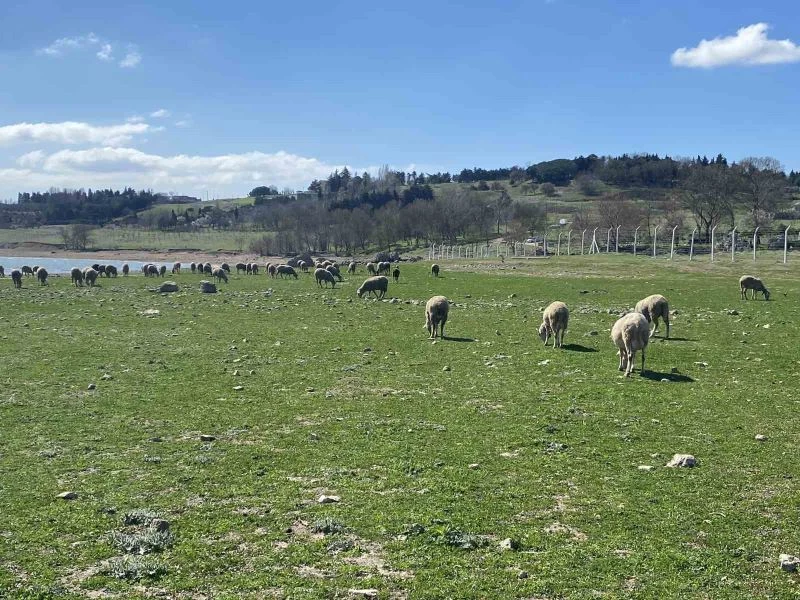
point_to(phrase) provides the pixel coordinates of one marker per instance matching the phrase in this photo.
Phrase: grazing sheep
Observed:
(435, 270)
(77, 276)
(334, 270)
(163, 270)
(125, 269)
(35, 268)
(436, 315)
(554, 322)
(254, 268)
(351, 268)
(152, 271)
(286, 270)
(2, 271)
(630, 333)
(193, 267)
(240, 268)
(96, 267)
(225, 267)
(26, 270)
(101, 270)
(16, 278)
(146, 269)
(220, 274)
(371, 269)
(176, 268)
(90, 276)
(111, 271)
(654, 307)
(383, 267)
(396, 274)
(207, 269)
(374, 285)
(304, 266)
(272, 270)
(41, 275)
(324, 275)
(249, 268)
(748, 282)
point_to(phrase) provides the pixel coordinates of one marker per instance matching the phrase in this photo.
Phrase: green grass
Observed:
(434, 468)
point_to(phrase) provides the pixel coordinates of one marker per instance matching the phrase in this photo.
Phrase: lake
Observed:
(64, 265)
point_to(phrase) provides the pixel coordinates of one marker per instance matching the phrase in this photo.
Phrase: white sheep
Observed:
(351, 268)
(630, 333)
(334, 270)
(324, 275)
(286, 270)
(436, 310)
(90, 275)
(554, 322)
(654, 307)
(220, 274)
(371, 268)
(383, 267)
(748, 282)
(374, 285)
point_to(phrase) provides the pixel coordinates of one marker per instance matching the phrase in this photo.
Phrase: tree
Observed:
(548, 189)
(526, 219)
(615, 210)
(762, 187)
(265, 190)
(588, 184)
(77, 236)
(708, 193)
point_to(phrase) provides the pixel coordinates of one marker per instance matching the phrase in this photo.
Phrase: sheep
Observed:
(435, 270)
(146, 269)
(176, 268)
(249, 268)
(630, 333)
(255, 268)
(240, 268)
(371, 269)
(90, 275)
(41, 275)
(748, 282)
(334, 270)
(77, 276)
(225, 267)
(111, 271)
(396, 274)
(374, 285)
(2, 271)
(193, 267)
(35, 268)
(286, 270)
(383, 267)
(652, 308)
(152, 271)
(26, 270)
(125, 269)
(207, 269)
(304, 266)
(272, 270)
(220, 274)
(555, 320)
(351, 268)
(324, 275)
(101, 270)
(16, 278)
(163, 270)
(96, 267)
(436, 315)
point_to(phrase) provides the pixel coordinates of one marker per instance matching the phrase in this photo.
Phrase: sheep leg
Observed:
(666, 320)
(642, 371)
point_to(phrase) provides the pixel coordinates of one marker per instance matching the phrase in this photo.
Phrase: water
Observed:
(64, 265)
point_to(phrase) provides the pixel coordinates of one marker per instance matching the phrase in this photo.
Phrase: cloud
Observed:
(71, 132)
(160, 113)
(183, 123)
(105, 53)
(119, 166)
(132, 59)
(750, 46)
(62, 45)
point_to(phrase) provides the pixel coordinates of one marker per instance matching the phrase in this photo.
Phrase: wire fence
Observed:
(717, 245)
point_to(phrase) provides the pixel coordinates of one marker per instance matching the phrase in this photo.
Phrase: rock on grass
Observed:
(682, 460)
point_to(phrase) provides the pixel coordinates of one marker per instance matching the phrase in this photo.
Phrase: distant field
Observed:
(437, 452)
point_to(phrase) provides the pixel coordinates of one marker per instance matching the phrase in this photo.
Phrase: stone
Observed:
(107, 377)
(156, 439)
(364, 593)
(646, 468)
(236, 373)
(591, 333)
(674, 370)
(682, 460)
(789, 563)
(328, 499)
(207, 287)
(91, 386)
(167, 287)
(509, 544)
(473, 466)
(445, 368)
(522, 575)
(68, 495)
(760, 437)
(238, 388)
(207, 438)
(159, 525)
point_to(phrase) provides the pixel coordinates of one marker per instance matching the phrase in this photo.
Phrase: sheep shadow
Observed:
(671, 339)
(458, 339)
(671, 377)
(578, 348)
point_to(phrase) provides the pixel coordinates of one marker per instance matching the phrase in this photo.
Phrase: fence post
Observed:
(635, 239)
(558, 248)
(713, 229)
(755, 241)
(544, 242)
(593, 245)
(691, 244)
(655, 239)
(608, 240)
(569, 239)
(583, 236)
(785, 242)
(733, 243)
(616, 240)
(672, 245)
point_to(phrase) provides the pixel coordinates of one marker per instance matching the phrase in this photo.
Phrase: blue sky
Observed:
(198, 96)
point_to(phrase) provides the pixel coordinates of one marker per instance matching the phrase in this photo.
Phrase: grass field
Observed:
(438, 452)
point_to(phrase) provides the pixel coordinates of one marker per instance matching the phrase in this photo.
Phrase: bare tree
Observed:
(762, 187)
(709, 193)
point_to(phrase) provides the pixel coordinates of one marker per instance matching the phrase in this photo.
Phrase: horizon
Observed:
(218, 100)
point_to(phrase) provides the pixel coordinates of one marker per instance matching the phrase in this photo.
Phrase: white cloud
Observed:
(183, 123)
(117, 167)
(71, 132)
(160, 113)
(750, 46)
(105, 53)
(62, 45)
(132, 59)
(134, 119)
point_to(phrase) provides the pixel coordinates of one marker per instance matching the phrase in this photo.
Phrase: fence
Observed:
(660, 242)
